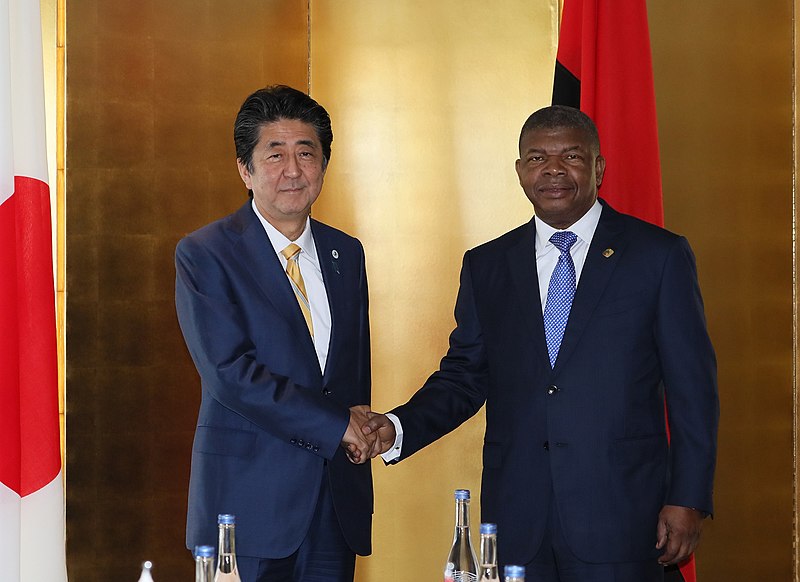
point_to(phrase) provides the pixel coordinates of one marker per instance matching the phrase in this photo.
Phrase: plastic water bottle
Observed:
(226, 558)
(146, 575)
(462, 556)
(204, 564)
(515, 573)
(489, 571)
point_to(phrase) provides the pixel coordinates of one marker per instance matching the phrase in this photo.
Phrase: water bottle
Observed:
(515, 573)
(489, 571)
(462, 556)
(204, 564)
(146, 575)
(226, 558)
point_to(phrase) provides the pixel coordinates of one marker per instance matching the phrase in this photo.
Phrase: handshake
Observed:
(368, 434)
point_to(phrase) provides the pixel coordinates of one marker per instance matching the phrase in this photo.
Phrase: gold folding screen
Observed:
(152, 91)
(427, 99)
(723, 73)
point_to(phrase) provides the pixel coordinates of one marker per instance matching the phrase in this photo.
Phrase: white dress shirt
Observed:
(308, 262)
(547, 254)
(546, 258)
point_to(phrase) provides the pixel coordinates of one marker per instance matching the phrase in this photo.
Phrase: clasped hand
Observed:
(678, 533)
(368, 434)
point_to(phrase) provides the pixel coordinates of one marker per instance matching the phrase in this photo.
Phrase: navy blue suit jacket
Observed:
(269, 418)
(591, 431)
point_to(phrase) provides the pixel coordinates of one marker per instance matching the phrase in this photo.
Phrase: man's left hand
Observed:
(677, 533)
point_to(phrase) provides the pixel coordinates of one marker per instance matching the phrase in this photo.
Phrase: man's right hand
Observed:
(380, 428)
(358, 444)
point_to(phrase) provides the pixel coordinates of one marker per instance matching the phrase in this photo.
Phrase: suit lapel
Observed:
(522, 265)
(331, 266)
(254, 251)
(597, 270)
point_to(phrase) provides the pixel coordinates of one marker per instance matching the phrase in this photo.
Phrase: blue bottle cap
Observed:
(488, 528)
(204, 551)
(462, 493)
(515, 572)
(226, 518)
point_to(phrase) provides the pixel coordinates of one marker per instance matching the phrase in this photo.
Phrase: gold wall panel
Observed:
(52, 17)
(152, 92)
(723, 75)
(796, 327)
(427, 101)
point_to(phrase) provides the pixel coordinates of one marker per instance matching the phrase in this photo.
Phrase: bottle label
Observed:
(461, 576)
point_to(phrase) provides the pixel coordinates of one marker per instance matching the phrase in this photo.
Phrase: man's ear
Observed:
(599, 169)
(244, 173)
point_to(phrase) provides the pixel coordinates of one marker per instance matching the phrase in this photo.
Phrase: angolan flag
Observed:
(604, 68)
(31, 490)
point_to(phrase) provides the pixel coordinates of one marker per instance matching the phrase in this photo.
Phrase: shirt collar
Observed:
(584, 227)
(279, 242)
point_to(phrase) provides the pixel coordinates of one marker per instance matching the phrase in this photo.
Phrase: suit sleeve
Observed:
(217, 336)
(690, 380)
(458, 389)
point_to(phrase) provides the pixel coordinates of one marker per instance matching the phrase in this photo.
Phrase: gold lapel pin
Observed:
(608, 252)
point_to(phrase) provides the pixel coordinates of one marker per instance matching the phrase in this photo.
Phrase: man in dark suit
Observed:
(573, 329)
(273, 308)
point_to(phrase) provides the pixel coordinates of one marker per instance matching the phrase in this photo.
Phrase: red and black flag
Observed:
(604, 68)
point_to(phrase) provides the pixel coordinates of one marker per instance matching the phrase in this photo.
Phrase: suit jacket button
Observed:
(316, 449)
(326, 392)
(546, 445)
(309, 446)
(552, 389)
(293, 441)
(301, 443)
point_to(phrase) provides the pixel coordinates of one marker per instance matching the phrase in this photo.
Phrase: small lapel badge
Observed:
(335, 254)
(608, 252)
(335, 261)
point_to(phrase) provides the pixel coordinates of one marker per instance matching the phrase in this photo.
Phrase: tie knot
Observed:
(291, 251)
(563, 240)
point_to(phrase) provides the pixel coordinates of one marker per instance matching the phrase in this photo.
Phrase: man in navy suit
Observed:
(273, 308)
(573, 329)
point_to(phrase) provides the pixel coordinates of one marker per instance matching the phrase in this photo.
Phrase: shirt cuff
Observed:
(396, 449)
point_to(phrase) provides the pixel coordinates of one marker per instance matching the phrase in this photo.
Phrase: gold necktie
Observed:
(291, 253)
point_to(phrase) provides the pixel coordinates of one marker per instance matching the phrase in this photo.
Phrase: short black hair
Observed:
(561, 116)
(274, 103)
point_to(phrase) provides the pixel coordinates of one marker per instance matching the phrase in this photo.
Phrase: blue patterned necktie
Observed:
(559, 294)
